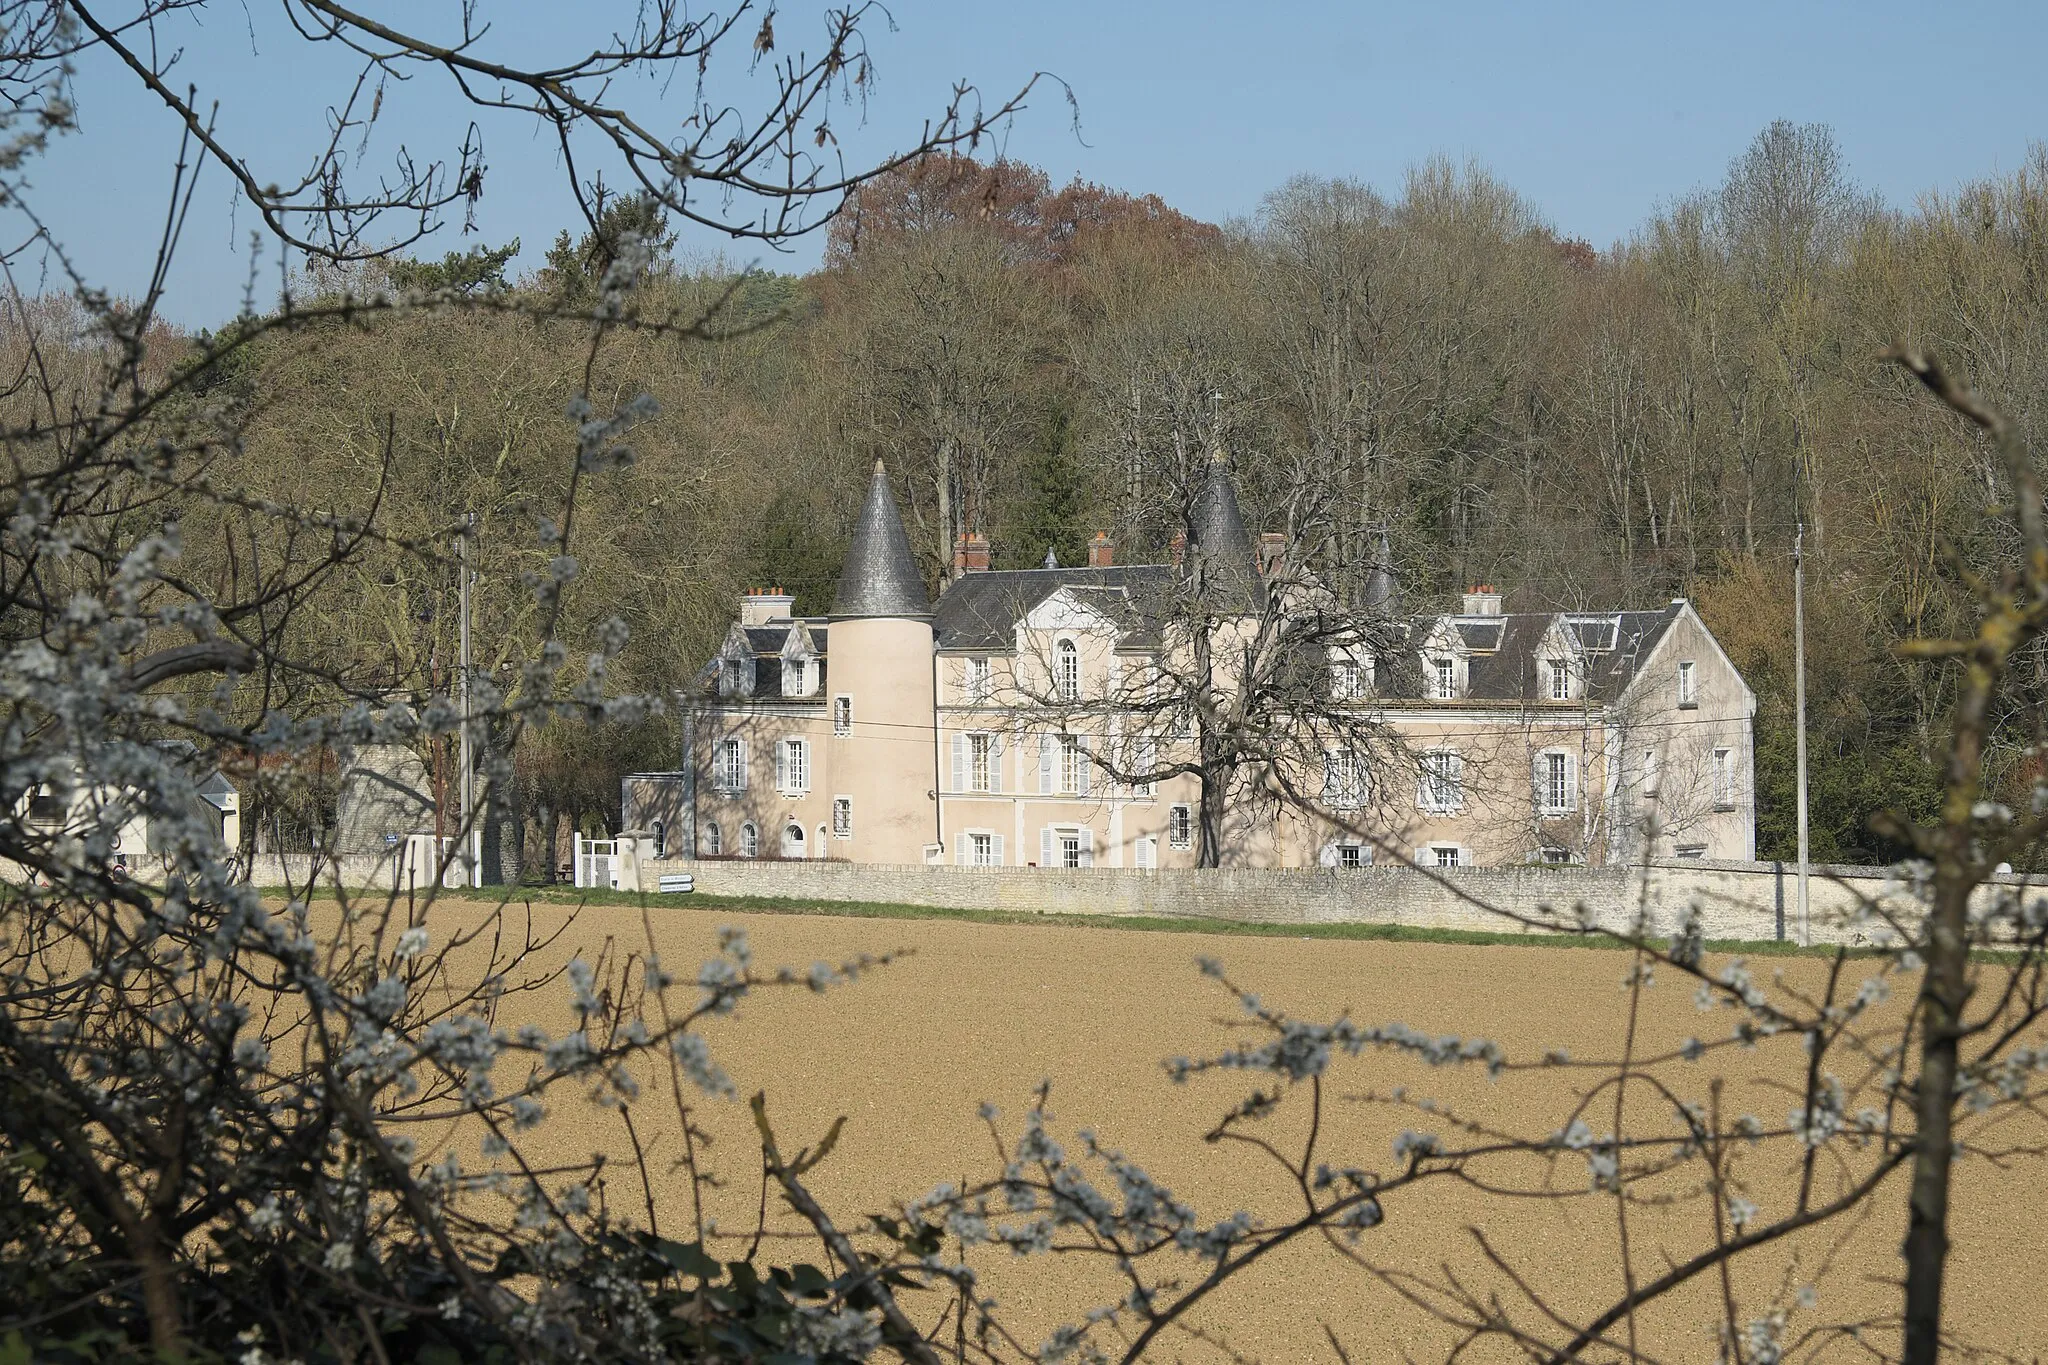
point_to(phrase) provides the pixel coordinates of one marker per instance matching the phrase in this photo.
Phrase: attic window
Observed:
(1688, 683)
(1443, 679)
(734, 677)
(796, 678)
(1067, 670)
(1560, 680)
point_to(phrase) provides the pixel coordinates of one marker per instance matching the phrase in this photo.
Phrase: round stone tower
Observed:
(879, 657)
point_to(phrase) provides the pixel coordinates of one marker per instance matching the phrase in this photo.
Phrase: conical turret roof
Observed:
(880, 577)
(1217, 539)
(1382, 589)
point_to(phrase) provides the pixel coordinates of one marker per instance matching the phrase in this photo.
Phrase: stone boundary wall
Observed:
(1737, 900)
(356, 870)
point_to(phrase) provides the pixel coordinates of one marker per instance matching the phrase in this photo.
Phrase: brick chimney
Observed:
(1482, 601)
(1179, 548)
(759, 606)
(970, 553)
(1101, 551)
(1272, 552)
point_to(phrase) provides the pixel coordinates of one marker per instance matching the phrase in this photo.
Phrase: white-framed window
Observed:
(1144, 758)
(1443, 679)
(1343, 779)
(842, 715)
(1556, 857)
(976, 682)
(1073, 766)
(1724, 779)
(1350, 677)
(732, 677)
(1346, 853)
(793, 767)
(792, 840)
(731, 770)
(1442, 789)
(842, 817)
(750, 841)
(1066, 846)
(977, 762)
(1180, 826)
(1557, 781)
(1560, 680)
(1446, 855)
(1066, 670)
(978, 848)
(710, 842)
(660, 832)
(1691, 850)
(1688, 683)
(796, 677)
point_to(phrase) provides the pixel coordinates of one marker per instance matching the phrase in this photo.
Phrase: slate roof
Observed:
(1503, 663)
(880, 577)
(981, 610)
(765, 644)
(1220, 543)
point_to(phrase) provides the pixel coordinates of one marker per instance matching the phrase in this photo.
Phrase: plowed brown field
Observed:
(984, 1012)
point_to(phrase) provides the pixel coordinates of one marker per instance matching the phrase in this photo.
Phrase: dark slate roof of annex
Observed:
(1617, 642)
(981, 610)
(765, 644)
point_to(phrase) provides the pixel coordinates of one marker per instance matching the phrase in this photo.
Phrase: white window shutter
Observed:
(1082, 764)
(963, 850)
(782, 767)
(1047, 756)
(1539, 782)
(1571, 781)
(960, 763)
(997, 851)
(995, 767)
(1087, 848)
(1045, 846)
(1328, 856)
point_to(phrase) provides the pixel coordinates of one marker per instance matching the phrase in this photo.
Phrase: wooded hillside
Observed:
(1585, 429)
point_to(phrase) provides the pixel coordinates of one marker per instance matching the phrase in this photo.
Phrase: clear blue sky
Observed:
(1598, 113)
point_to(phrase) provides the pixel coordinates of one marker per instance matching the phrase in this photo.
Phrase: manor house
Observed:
(898, 729)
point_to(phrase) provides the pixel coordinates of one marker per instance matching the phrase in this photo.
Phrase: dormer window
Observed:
(1443, 679)
(1350, 677)
(733, 677)
(1560, 680)
(1067, 670)
(796, 677)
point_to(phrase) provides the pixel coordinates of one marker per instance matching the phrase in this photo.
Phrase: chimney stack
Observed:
(1272, 552)
(1179, 548)
(1482, 601)
(761, 605)
(1101, 551)
(970, 553)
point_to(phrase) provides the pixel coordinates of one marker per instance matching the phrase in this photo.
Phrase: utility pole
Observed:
(1799, 702)
(470, 833)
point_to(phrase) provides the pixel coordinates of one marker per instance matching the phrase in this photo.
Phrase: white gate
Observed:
(597, 863)
(429, 859)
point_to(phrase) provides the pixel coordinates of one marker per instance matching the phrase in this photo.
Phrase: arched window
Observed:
(792, 840)
(1067, 670)
(660, 839)
(750, 841)
(710, 844)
